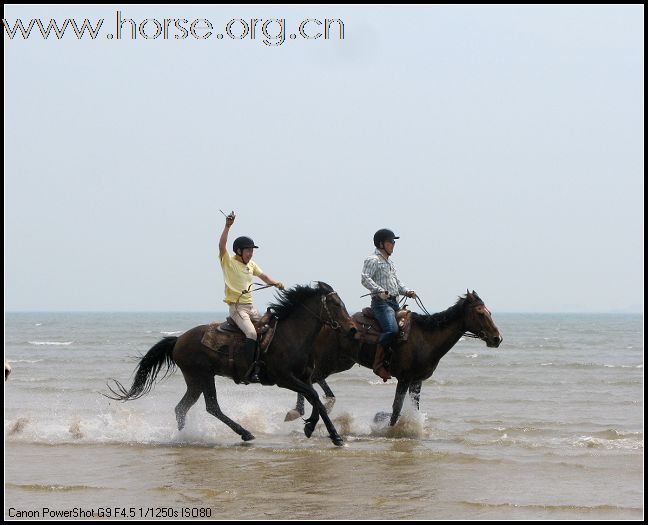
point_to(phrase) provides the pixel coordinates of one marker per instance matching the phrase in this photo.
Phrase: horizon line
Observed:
(612, 312)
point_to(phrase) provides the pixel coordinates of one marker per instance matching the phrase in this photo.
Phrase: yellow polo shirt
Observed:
(238, 277)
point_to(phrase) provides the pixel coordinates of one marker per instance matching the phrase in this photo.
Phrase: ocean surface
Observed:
(547, 426)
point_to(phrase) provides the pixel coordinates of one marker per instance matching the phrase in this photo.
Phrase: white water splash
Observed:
(50, 343)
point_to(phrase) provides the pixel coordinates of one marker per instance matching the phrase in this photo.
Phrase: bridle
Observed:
(482, 333)
(324, 308)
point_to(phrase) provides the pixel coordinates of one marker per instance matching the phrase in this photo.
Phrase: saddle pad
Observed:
(215, 339)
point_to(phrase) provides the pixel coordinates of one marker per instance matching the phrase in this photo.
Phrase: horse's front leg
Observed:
(401, 390)
(298, 411)
(301, 386)
(312, 420)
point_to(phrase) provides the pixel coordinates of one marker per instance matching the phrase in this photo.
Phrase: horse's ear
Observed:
(324, 287)
(474, 292)
(467, 292)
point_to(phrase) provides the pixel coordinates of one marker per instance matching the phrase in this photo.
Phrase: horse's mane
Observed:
(440, 320)
(288, 300)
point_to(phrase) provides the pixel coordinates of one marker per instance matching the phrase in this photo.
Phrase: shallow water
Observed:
(550, 425)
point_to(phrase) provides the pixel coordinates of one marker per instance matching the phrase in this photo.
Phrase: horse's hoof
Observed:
(337, 441)
(381, 417)
(308, 430)
(292, 415)
(329, 404)
(247, 437)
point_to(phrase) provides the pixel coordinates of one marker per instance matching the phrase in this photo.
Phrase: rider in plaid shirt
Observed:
(379, 277)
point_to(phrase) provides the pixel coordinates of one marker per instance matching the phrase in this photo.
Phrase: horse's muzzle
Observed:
(494, 342)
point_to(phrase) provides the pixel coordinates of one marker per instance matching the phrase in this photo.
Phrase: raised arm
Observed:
(222, 243)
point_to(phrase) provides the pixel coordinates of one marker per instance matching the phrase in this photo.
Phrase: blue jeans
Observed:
(385, 314)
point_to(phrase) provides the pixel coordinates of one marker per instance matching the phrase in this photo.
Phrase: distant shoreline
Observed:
(212, 312)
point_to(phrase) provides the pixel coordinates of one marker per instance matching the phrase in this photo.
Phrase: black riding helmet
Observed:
(383, 235)
(242, 242)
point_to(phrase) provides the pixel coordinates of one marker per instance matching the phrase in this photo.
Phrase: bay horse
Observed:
(413, 361)
(301, 312)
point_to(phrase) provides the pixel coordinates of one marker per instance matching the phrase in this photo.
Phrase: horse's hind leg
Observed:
(415, 393)
(187, 401)
(211, 403)
(330, 396)
(293, 414)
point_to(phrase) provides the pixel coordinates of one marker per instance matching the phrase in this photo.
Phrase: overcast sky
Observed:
(503, 144)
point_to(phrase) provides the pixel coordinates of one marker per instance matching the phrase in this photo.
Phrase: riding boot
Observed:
(251, 346)
(378, 366)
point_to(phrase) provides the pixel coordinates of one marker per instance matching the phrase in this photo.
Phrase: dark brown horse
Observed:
(414, 360)
(301, 311)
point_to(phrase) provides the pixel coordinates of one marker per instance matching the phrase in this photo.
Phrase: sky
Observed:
(504, 145)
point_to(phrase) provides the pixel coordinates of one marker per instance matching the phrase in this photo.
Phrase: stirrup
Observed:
(253, 376)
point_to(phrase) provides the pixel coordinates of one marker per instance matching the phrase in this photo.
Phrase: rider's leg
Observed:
(242, 314)
(385, 314)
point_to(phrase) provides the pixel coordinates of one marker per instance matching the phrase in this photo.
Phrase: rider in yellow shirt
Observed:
(238, 271)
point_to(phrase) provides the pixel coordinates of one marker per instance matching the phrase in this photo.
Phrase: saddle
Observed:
(218, 334)
(261, 326)
(227, 337)
(369, 330)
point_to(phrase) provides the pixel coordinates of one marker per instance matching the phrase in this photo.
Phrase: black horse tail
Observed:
(147, 371)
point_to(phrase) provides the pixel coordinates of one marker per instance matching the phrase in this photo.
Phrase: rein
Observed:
(403, 300)
(259, 286)
(420, 305)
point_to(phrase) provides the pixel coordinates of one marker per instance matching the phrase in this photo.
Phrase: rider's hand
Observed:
(229, 220)
(410, 293)
(279, 285)
(383, 295)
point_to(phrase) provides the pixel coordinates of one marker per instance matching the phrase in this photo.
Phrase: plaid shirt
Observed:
(379, 275)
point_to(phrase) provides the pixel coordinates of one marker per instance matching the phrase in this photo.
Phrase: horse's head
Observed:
(334, 313)
(478, 321)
